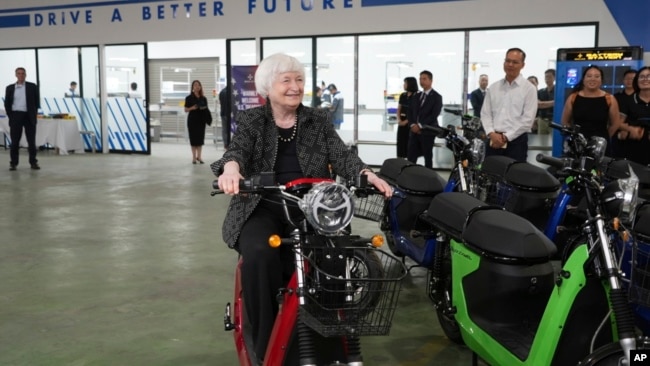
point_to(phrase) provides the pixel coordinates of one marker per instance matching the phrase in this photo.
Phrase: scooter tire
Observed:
(612, 354)
(447, 322)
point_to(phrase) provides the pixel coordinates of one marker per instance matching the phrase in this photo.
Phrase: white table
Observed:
(63, 134)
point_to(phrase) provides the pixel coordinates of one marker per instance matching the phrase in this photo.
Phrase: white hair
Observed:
(271, 67)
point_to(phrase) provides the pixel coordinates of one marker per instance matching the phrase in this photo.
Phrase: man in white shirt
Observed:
(509, 110)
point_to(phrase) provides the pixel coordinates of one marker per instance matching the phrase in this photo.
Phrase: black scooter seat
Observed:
(496, 165)
(449, 211)
(505, 235)
(392, 168)
(419, 179)
(530, 177)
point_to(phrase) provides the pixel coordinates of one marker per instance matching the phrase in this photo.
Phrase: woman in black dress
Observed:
(410, 87)
(593, 109)
(196, 107)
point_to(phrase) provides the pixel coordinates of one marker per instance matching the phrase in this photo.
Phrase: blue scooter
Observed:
(414, 186)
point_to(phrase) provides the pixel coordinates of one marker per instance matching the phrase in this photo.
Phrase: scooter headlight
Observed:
(596, 148)
(328, 207)
(477, 150)
(620, 197)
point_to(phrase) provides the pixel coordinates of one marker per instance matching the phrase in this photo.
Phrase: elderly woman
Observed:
(293, 141)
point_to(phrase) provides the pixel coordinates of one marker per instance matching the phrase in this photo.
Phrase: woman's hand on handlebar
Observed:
(380, 184)
(229, 180)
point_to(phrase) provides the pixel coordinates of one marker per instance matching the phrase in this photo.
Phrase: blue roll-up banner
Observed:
(244, 94)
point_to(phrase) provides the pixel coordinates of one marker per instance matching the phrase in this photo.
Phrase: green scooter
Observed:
(496, 290)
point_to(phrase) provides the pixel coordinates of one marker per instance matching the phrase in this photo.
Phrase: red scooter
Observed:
(342, 287)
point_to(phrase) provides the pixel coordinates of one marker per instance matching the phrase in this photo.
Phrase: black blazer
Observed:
(476, 98)
(32, 96)
(429, 111)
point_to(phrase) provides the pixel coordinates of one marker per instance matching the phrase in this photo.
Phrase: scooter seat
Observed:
(449, 211)
(496, 165)
(419, 179)
(392, 168)
(531, 177)
(506, 236)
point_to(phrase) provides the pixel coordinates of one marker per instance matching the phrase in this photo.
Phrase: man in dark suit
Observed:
(477, 96)
(21, 104)
(424, 110)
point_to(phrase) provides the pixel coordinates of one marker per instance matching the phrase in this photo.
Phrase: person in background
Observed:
(477, 96)
(628, 90)
(593, 109)
(22, 102)
(635, 112)
(72, 90)
(509, 109)
(133, 93)
(196, 105)
(410, 88)
(280, 135)
(224, 113)
(424, 110)
(337, 107)
(326, 96)
(533, 80)
(545, 102)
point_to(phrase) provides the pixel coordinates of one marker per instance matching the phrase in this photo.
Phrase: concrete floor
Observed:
(118, 260)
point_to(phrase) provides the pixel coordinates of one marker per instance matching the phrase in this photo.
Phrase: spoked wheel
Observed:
(366, 264)
(441, 293)
(612, 354)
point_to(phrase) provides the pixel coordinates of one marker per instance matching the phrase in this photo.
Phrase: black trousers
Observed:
(517, 149)
(264, 270)
(18, 121)
(421, 145)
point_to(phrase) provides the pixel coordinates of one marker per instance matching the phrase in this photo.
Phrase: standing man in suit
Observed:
(21, 104)
(509, 110)
(477, 96)
(424, 110)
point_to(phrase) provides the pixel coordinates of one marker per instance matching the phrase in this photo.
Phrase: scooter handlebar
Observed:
(437, 130)
(549, 160)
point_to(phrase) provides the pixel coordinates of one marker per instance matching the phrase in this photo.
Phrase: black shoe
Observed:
(36, 167)
(12, 167)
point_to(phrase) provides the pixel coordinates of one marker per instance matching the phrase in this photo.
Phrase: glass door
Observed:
(126, 104)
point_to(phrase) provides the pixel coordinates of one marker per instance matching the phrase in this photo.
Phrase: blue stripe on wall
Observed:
(632, 18)
(14, 21)
(400, 2)
(83, 5)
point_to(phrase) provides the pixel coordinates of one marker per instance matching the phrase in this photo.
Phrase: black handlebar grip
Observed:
(437, 130)
(215, 184)
(549, 160)
(456, 112)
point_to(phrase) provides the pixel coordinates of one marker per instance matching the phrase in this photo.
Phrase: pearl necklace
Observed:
(293, 132)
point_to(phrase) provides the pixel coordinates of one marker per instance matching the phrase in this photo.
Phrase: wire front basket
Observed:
(361, 303)
(640, 281)
(370, 207)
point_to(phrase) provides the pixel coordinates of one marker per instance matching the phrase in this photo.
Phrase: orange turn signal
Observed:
(616, 223)
(377, 241)
(275, 241)
(465, 163)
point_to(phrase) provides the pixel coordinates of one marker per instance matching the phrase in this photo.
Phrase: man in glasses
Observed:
(509, 109)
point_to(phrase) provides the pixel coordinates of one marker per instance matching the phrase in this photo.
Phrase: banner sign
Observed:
(244, 95)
